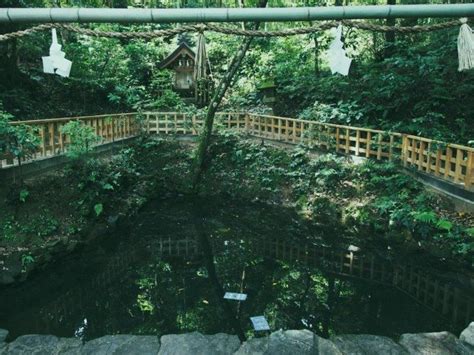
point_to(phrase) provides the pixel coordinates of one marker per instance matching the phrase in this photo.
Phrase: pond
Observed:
(169, 271)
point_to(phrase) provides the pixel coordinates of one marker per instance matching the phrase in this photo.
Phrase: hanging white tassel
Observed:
(56, 63)
(338, 61)
(465, 46)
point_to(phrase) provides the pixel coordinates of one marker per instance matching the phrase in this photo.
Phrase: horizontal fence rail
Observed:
(53, 142)
(449, 162)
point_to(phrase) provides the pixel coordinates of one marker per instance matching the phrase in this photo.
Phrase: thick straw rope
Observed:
(231, 31)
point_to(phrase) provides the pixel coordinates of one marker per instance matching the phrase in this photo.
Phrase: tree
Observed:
(205, 138)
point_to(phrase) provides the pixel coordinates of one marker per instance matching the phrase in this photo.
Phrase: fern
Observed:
(444, 224)
(425, 217)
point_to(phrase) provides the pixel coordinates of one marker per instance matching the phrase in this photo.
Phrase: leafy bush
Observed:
(82, 138)
(17, 141)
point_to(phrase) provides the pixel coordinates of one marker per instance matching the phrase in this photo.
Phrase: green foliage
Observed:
(425, 217)
(341, 112)
(82, 138)
(24, 193)
(470, 231)
(26, 260)
(17, 141)
(98, 208)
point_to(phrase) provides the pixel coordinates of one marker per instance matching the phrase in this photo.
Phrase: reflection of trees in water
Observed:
(173, 281)
(208, 256)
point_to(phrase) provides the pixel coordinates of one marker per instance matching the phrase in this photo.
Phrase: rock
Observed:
(362, 344)
(44, 344)
(196, 343)
(442, 343)
(254, 346)
(325, 347)
(3, 335)
(122, 345)
(466, 336)
(289, 342)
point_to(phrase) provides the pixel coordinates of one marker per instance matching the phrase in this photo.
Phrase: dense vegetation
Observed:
(397, 83)
(371, 204)
(407, 83)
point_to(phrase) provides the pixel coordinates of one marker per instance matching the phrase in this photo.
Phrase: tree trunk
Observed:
(390, 36)
(224, 84)
(316, 54)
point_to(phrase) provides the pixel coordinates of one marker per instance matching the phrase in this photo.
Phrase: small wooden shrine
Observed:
(182, 62)
(191, 71)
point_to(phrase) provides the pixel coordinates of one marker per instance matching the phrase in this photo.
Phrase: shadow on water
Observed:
(169, 274)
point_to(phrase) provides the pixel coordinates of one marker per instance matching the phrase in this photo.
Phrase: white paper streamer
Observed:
(338, 61)
(56, 63)
(465, 46)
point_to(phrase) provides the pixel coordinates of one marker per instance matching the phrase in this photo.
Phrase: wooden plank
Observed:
(405, 150)
(447, 162)
(468, 179)
(357, 143)
(247, 123)
(421, 155)
(367, 144)
(458, 167)
(51, 141)
(391, 146)
(438, 161)
(302, 132)
(61, 138)
(414, 151)
(348, 141)
(379, 146)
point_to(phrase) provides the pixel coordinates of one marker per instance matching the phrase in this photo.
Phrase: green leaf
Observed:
(98, 208)
(108, 187)
(470, 232)
(23, 195)
(426, 217)
(444, 224)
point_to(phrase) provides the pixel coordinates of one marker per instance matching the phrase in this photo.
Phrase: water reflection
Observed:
(170, 272)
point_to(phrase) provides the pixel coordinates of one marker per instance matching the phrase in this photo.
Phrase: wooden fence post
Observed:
(447, 162)
(404, 155)
(468, 180)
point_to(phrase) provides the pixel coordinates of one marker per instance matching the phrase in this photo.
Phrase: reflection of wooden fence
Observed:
(451, 162)
(449, 300)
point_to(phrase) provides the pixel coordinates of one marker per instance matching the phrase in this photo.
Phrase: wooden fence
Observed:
(450, 162)
(53, 142)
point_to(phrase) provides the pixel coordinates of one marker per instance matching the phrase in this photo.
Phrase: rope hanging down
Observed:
(232, 31)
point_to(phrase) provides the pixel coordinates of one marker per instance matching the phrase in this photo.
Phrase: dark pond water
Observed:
(168, 274)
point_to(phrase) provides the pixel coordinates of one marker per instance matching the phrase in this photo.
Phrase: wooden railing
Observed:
(451, 162)
(53, 141)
